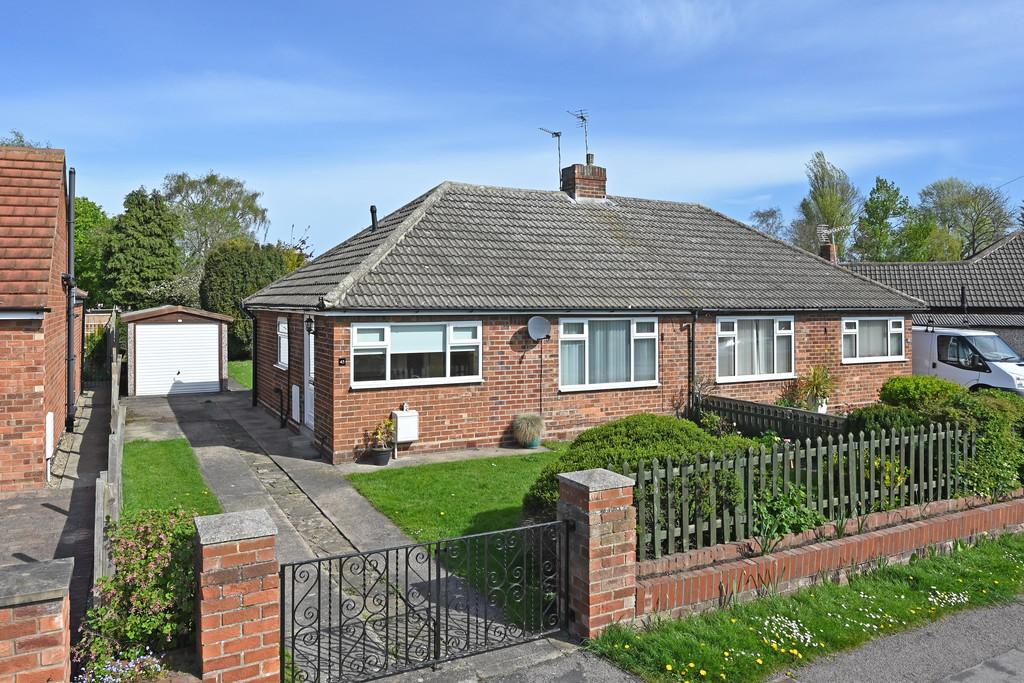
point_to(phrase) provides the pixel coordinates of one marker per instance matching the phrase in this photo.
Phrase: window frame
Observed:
(285, 338)
(355, 346)
(855, 333)
(734, 334)
(633, 337)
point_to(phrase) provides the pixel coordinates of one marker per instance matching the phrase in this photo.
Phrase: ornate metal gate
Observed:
(364, 615)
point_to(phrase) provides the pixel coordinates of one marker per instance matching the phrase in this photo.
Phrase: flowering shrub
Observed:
(148, 604)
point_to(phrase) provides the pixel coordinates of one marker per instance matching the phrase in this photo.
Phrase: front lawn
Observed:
(164, 475)
(241, 372)
(448, 499)
(750, 642)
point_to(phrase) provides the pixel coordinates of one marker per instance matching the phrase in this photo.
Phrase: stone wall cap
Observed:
(597, 479)
(235, 526)
(29, 582)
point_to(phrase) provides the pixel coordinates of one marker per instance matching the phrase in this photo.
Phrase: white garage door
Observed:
(176, 359)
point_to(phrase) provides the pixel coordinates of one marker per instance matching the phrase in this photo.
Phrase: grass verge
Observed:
(164, 475)
(241, 372)
(751, 641)
(430, 502)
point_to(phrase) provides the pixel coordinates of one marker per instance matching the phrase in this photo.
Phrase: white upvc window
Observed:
(607, 353)
(282, 343)
(756, 348)
(873, 340)
(411, 354)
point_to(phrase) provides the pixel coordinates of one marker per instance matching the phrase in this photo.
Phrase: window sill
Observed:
(755, 378)
(575, 389)
(877, 359)
(280, 367)
(427, 382)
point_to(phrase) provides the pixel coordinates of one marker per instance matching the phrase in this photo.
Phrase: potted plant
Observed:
(817, 387)
(382, 442)
(528, 429)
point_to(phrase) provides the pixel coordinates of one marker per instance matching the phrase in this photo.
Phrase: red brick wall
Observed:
(35, 642)
(55, 329)
(818, 339)
(22, 418)
(522, 376)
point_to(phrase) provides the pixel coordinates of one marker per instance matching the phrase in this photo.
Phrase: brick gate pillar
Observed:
(238, 602)
(602, 548)
(35, 630)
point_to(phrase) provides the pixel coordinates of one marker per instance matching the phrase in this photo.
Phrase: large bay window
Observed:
(403, 354)
(751, 348)
(605, 353)
(872, 340)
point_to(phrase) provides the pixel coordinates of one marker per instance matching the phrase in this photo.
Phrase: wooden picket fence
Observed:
(843, 478)
(757, 418)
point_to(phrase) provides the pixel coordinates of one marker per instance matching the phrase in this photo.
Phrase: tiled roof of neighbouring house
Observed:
(470, 247)
(31, 195)
(993, 278)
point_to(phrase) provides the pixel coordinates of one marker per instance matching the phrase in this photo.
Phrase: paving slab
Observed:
(975, 645)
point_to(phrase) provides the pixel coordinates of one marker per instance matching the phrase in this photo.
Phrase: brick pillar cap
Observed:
(235, 526)
(21, 584)
(596, 480)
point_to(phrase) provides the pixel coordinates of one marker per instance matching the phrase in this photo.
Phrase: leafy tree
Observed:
(877, 234)
(92, 233)
(921, 238)
(18, 139)
(832, 200)
(1020, 216)
(213, 208)
(768, 221)
(235, 269)
(977, 215)
(143, 249)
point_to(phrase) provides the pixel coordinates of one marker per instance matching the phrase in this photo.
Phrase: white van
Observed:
(972, 358)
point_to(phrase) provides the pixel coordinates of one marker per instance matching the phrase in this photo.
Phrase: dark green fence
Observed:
(756, 418)
(843, 477)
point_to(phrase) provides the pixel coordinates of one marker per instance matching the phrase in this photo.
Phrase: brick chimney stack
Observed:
(829, 252)
(585, 181)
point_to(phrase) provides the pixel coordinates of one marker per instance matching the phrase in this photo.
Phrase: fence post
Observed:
(239, 617)
(35, 639)
(602, 549)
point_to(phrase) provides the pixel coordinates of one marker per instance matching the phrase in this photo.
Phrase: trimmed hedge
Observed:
(881, 416)
(631, 439)
(921, 393)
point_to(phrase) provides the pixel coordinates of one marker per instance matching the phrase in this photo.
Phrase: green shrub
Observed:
(631, 439)
(881, 416)
(997, 417)
(922, 393)
(777, 515)
(149, 603)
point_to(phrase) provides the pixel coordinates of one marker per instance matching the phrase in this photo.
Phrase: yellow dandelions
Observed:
(759, 660)
(691, 665)
(722, 674)
(626, 646)
(793, 651)
(703, 672)
(726, 653)
(442, 513)
(733, 620)
(668, 667)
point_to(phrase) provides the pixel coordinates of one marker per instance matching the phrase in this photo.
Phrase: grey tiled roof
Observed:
(970, 320)
(470, 247)
(994, 278)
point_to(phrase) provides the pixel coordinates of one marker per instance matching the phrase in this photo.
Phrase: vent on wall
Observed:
(295, 403)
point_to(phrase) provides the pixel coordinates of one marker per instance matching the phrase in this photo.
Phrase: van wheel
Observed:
(979, 387)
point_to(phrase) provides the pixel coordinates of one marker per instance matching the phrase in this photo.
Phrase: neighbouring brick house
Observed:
(35, 395)
(429, 307)
(985, 291)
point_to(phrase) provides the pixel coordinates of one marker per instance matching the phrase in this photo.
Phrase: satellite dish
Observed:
(538, 328)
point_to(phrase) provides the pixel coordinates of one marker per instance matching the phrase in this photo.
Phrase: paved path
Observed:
(57, 521)
(977, 646)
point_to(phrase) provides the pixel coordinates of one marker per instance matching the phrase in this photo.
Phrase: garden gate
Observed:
(369, 614)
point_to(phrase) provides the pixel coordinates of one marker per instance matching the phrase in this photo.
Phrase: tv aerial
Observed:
(557, 135)
(583, 118)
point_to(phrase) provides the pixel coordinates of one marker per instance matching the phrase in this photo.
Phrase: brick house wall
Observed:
(521, 375)
(22, 417)
(818, 339)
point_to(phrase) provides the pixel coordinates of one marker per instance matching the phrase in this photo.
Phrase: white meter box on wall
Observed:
(407, 425)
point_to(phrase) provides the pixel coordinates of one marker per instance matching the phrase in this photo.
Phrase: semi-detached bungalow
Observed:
(429, 307)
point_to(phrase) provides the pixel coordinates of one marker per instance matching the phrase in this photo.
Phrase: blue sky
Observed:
(327, 107)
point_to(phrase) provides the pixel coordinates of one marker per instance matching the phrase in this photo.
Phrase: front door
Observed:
(308, 369)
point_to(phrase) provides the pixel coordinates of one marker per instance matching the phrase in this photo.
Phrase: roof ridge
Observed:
(995, 246)
(335, 297)
(854, 264)
(804, 252)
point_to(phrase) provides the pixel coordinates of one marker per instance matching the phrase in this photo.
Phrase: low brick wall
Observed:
(35, 627)
(678, 585)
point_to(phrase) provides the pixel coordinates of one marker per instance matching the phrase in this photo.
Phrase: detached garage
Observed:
(176, 350)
